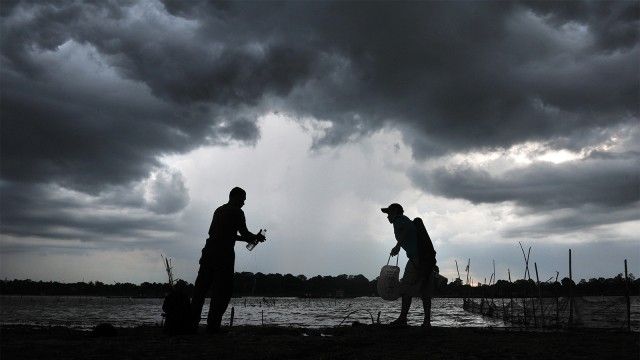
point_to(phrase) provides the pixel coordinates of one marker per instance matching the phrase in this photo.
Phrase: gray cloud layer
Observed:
(610, 182)
(575, 195)
(94, 92)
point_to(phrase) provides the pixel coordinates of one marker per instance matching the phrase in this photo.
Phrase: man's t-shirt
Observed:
(406, 235)
(223, 232)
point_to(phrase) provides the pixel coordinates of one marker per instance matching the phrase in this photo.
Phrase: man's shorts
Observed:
(415, 281)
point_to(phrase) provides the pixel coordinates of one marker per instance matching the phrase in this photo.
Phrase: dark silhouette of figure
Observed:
(417, 279)
(218, 257)
(177, 310)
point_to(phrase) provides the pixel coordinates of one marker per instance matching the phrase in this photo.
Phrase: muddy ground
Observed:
(359, 342)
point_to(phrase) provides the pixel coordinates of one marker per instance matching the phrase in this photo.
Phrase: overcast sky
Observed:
(125, 124)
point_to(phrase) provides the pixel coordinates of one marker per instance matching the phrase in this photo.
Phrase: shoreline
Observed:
(359, 341)
(634, 296)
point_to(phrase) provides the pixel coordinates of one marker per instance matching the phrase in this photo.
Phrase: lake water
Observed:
(86, 312)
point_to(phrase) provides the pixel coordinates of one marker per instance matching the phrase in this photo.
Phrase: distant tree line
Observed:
(272, 285)
(29, 287)
(615, 286)
(245, 284)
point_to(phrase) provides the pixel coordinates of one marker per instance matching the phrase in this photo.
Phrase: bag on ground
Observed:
(177, 310)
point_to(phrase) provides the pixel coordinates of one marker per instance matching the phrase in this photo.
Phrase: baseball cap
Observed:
(393, 207)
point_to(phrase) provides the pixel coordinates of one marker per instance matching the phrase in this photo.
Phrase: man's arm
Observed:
(245, 234)
(395, 250)
(400, 234)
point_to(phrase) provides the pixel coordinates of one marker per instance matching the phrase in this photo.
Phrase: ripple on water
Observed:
(86, 312)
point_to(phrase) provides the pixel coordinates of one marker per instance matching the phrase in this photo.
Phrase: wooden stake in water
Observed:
(168, 268)
(626, 284)
(468, 277)
(557, 303)
(493, 276)
(570, 292)
(527, 275)
(533, 308)
(468, 269)
(493, 281)
(539, 295)
(262, 317)
(232, 315)
(510, 295)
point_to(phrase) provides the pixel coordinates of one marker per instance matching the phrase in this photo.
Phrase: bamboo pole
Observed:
(493, 276)
(570, 292)
(232, 315)
(539, 295)
(626, 283)
(468, 269)
(494, 271)
(533, 310)
(557, 301)
(527, 277)
(482, 297)
(510, 295)
(557, 311)
(524, 309)
(468, 276)
(527, 274)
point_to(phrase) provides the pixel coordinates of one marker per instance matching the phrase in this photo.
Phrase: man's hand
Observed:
(260, 237)
(395, 250)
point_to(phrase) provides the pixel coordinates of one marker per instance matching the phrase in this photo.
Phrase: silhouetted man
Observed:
(217, 261)
(417, 279)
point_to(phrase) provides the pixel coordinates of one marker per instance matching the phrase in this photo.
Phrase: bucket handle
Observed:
(397, 258)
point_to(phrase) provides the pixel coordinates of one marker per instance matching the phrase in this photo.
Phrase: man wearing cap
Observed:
(218, 257)
(416, 280)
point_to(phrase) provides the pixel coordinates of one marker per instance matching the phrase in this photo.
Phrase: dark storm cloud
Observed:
(86, 140)
(572, 196)
(93, 93)
(576, 220)
(118, 215)
(453, 76)
(615, 24)
(611, 182)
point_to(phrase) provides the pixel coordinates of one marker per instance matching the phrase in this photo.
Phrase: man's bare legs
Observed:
(406, 304)
(426, 305)
(426, 300)
(404, 311)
